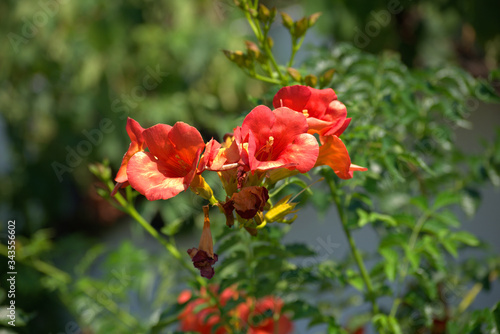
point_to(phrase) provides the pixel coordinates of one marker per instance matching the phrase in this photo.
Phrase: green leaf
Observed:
(301, 309)
(355, 279)
(448, 218)
(391, 262)
(298, 249)
(445, 199)
(414, 257)
(420, 202)
(394, 325)
(466, 238)
(167, 317)
(173, 227)
(90, 256)
(451, 246)
(363, 217)
(232, 241)
(496, 316)
(470, 202)
(493, 175)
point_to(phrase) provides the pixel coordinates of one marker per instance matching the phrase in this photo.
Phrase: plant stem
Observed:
(295, 47)
(169, 245)
(355, 252)
(266, 79)
(262, 38)
(411, 245)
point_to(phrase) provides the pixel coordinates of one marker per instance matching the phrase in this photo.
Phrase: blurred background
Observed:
(72, 72)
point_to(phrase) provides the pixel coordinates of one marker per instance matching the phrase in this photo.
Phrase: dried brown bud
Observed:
(203, 257)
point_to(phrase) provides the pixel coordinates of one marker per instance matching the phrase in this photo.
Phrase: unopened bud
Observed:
(327, 77)
(272, 14)
(312, 19)
(264, 13)
(253, 12)
(294, 74)
(311, 80)
(270, 42)
(287, 21)
(252, 49)
(301, 27)
(201, 188)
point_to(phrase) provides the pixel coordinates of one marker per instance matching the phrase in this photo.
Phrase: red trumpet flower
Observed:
(170, 165)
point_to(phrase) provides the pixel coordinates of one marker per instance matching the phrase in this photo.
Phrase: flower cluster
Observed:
(261, 316)
(270, 145)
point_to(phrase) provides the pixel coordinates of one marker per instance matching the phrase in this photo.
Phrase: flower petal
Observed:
(287, 126)
(302, 153)
(187, 141)
(300, 98)
(260, 121)
(208, 160)
(153, 179)
(333, 153)
(134, 131)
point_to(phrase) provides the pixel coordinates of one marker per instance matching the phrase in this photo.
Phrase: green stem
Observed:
(256, 31)
(355, 252)
(411, 245)
(266, 79)
(169, 245)
(295, 47)
(270, 56)
(262, 38)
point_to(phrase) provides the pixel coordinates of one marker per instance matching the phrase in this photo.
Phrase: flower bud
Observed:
(311, 20)
(294, 74)
(301, 27)
(264, 14)
(253, 50)
(326, 78)
(201, 188)
(287, 21)
(311, 80)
